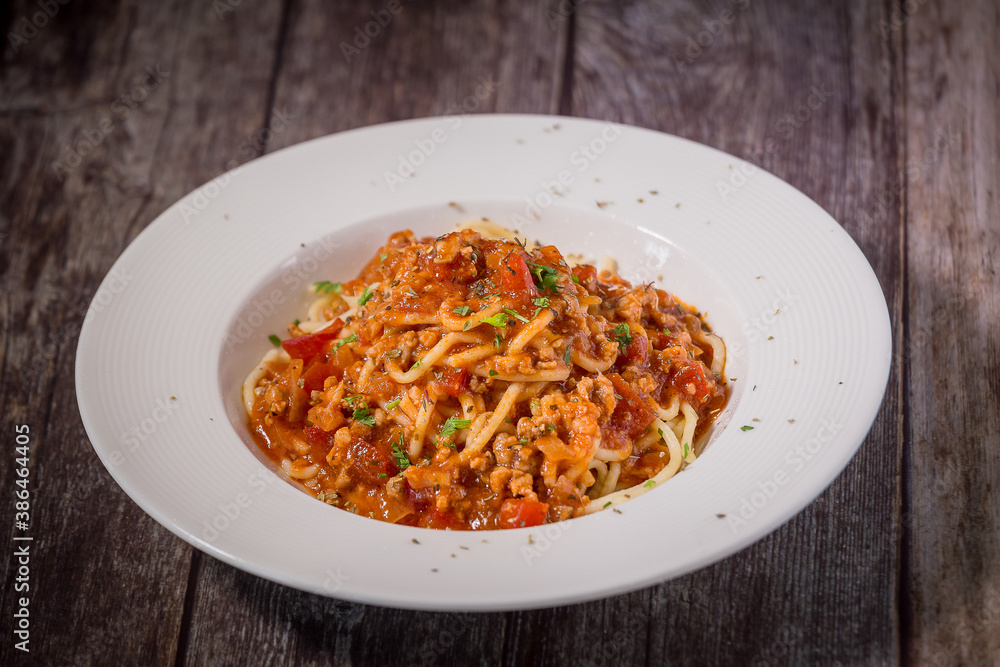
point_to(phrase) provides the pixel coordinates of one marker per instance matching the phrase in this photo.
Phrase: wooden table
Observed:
(886, 114)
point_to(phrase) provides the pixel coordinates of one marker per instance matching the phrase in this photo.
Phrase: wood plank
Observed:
(734, 75)
(108, 583)
(952, 595)
(428, 60)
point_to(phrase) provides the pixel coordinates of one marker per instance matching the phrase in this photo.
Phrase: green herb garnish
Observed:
(515, 315)
(567, 355)
(462, 310)
(499, 320)
(353, 338)
(326, 287)
(622, 334)
(365, 296)
(541, 302)
(493, 373)
(545, 277)
(398, 453)
(746, 428)
(274, 340)
(452, 425)
(363, 415)
(392, 404)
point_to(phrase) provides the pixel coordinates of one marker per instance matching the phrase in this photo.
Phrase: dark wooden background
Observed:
(897, 562)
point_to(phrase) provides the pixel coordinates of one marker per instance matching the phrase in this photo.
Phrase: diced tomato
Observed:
(515, 278)
(453, 381)
(521, 512)
(317, 373)
(318, 436)
(586, 275)
(366, 462)
(308, 346)
(635, 351)
(693, 382)
(630, 419)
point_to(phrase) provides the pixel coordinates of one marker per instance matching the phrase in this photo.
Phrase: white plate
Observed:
(186, 311)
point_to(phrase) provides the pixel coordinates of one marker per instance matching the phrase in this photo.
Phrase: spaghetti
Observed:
(468, 382)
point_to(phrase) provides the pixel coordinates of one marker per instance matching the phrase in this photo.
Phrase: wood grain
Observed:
(108, 583)
(732, 75)
(428, 60)
(116, 108)
(952, 596)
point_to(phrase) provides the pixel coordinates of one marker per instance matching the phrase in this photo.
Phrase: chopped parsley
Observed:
(687, 449)
(622, 334)
(365, 296)
(353, 338)
(392, 405)
(545, 277)
(499, 320)
(462, 310)
(297, 322)
(452, 425)
(541, 302)
(515, 315)
(567, 355)
(398, 453)
(275, 341)
(746, 428)
(326, 287)
(650, 484)
(493, 373)
(575, 279)
(363, 415)
(382, 258)
(606, 505)
(498, 341)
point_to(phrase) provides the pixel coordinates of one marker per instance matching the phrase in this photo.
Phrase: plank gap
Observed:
(188, 613)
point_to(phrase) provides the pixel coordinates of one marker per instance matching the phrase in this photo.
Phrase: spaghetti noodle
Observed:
(468, 382)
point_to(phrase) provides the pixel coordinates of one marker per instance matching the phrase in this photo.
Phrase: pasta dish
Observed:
(469, 381)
